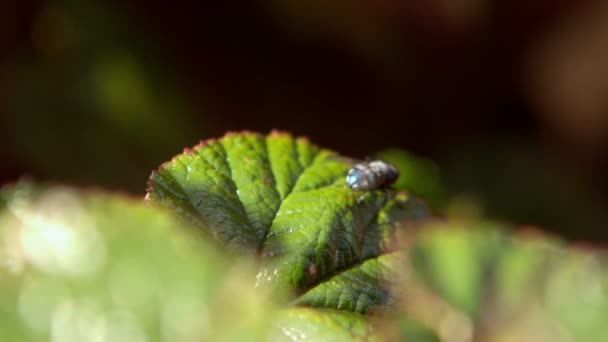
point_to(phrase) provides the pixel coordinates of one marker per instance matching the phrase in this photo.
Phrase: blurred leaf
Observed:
(454, 263)
(87, 266)
(412, 330)
(526, 287)
(418, 175)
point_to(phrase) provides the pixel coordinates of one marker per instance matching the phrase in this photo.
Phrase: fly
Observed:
(371, 175)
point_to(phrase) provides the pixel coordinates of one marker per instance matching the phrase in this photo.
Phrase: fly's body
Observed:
(371, 175)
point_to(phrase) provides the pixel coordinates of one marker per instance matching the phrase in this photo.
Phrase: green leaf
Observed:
(285, 201)
(418, 175)
(88, 266)
(363, 286)
(508, 286)
(455, 263)
(412, 330)
(298, 324)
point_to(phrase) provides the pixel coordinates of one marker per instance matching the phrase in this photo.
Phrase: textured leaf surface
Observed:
(299, 324)
(285, 200)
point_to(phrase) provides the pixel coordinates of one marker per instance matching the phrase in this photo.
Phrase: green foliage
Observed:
(88, 266)
(270, 244)
(503, 286)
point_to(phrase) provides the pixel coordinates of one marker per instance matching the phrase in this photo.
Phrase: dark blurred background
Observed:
(509, 99)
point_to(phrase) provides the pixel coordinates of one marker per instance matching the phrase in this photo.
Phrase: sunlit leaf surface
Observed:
(285, 202)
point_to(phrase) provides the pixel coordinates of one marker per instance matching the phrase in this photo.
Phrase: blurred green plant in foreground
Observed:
(477, 281)
(88, 266)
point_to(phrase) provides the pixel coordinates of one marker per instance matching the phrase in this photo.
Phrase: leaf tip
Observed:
(279, 133)
(201, 144)
(241, 133)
